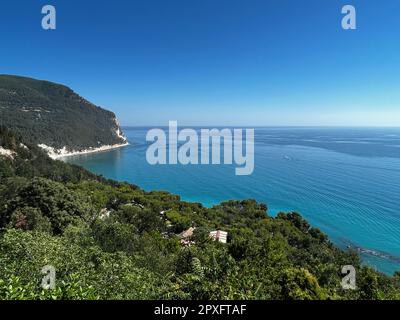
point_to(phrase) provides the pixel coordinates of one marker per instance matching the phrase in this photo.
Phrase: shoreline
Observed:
(62, 153)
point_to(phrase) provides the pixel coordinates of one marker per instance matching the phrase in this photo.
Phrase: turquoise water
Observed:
(344, 181)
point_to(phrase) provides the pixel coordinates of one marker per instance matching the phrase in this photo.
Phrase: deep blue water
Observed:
(346, 181)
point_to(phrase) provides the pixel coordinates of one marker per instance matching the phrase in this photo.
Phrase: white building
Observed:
(221, 236)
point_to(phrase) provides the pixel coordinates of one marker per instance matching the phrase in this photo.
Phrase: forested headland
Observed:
(53, 115)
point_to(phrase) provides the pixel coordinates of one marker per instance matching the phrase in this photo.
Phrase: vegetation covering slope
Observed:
(110, 240)
(47, 113)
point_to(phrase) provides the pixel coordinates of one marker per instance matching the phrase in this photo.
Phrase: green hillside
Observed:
(47, 113)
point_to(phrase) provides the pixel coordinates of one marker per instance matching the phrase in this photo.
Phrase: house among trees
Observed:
(186, 235)
(221, 236)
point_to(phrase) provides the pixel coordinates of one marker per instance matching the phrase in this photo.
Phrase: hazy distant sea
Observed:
(346, 181)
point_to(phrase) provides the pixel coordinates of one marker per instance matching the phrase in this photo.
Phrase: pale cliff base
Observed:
(62, 153)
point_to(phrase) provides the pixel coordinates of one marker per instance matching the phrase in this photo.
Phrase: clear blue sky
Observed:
(215, 62)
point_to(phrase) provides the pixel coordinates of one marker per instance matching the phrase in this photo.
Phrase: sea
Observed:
(345, 181)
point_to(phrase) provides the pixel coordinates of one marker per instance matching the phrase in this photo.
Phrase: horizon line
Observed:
(266, 126)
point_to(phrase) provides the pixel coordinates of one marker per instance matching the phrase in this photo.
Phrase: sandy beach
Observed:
(63, 153)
